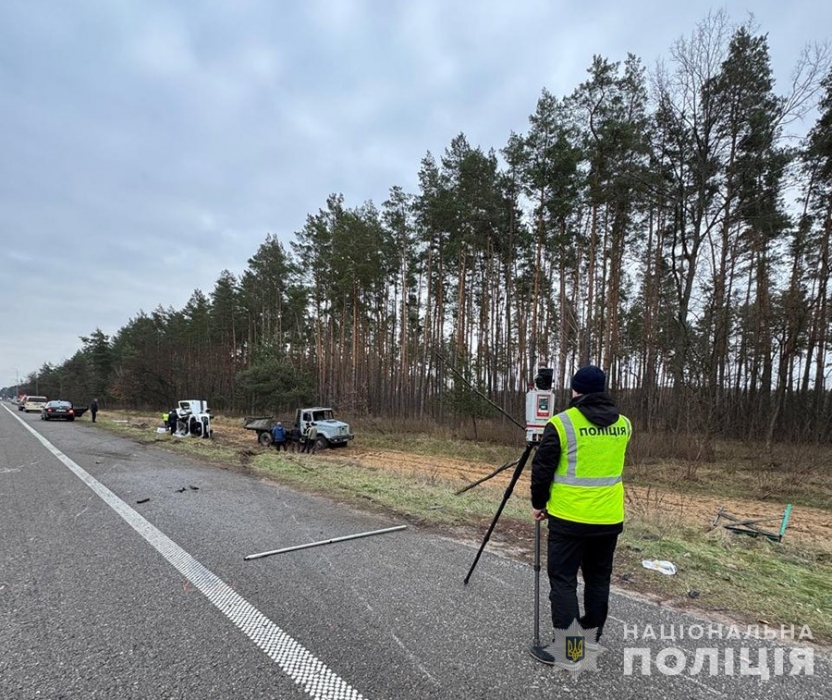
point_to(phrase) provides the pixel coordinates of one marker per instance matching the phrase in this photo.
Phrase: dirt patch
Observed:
(806, 525)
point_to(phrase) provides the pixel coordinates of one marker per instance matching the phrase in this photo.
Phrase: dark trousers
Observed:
(593, 555)
(92, 414)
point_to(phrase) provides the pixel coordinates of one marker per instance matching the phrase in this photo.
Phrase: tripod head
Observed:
(543, 380)
(540, 407)
(540, 404)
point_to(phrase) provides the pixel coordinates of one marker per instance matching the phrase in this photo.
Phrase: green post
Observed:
(785, 520)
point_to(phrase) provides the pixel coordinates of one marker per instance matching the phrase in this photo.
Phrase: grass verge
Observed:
(421, 498)
(754, 580)
(749, 580)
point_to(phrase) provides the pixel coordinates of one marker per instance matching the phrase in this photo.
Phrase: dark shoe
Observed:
(542, 655)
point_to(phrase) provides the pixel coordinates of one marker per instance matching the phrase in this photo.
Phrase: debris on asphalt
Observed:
(143, 500)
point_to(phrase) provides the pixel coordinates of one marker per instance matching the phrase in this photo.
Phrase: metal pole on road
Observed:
(323, 542)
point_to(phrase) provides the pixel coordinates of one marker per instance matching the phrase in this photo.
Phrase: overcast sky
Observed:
(145, 146)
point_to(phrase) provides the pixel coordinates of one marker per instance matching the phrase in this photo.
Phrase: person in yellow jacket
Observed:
(576, 485)
(310, 438)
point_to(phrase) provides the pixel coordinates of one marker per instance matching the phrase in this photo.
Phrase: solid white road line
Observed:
(303, 667)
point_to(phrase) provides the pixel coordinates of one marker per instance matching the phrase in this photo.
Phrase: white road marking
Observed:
(415, 659)
(303, 667)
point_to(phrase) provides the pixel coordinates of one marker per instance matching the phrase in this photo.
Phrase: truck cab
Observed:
(194, 418)
(331, 432)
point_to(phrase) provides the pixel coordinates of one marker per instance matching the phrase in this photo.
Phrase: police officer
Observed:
(576, 485)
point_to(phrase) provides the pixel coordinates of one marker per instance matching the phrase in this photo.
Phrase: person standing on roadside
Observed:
(279, 436)
(577, 486)
(93, 409)
(310, 438)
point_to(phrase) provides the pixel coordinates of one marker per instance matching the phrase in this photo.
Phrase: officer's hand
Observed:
(539, 514)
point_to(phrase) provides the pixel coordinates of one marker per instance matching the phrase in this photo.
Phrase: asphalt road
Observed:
(105, 597)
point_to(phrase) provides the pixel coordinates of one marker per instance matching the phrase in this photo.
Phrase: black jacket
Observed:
(600, 410)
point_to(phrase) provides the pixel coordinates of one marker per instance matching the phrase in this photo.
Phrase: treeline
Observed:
(664, 225)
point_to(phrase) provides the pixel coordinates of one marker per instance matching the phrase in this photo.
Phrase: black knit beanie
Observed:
(589, 380)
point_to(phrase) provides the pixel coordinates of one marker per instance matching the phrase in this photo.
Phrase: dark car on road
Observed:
(60, 410)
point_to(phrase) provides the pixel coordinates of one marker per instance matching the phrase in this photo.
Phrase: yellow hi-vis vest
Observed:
(587, 487)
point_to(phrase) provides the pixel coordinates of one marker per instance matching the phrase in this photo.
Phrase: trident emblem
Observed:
(575, 648)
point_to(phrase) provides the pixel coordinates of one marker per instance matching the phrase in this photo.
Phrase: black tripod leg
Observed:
(517, 471)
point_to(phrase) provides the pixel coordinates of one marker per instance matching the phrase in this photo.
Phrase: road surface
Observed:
(122, 576)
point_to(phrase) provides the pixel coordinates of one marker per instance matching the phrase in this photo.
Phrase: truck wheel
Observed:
(265, 438)
(321, 443)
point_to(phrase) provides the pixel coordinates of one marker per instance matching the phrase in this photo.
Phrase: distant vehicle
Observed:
(57, 410)
(331, 432)
(33, 404)
(263, 425)
(193, 418)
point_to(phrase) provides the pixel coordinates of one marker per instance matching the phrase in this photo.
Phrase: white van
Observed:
(34, 404)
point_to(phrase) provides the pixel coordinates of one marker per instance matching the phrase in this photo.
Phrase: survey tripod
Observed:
(518, 470)
(543, 382)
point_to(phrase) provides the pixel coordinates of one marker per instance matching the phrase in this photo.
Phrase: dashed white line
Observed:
(415, 660)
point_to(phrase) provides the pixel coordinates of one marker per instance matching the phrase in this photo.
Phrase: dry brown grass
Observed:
(787, 473)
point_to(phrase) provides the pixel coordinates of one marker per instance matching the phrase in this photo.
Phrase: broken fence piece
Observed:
(751, 526)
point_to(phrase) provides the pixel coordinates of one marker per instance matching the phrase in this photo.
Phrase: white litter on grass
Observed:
(663, 567)
(161, 430)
